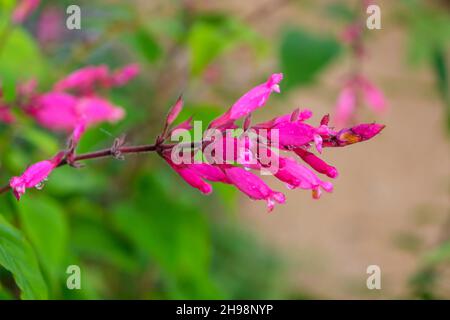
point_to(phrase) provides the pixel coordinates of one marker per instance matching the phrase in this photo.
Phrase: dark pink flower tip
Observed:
(175, 111)
(368, 130)
(316, 163)
(249, 102)
(357, 134)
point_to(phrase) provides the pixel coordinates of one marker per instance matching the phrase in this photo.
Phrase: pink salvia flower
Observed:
(34, 175)
(24, 9)
(359, 133)
(85, 79)
(296, 175)
(62, 111)
(253, 186)
(316, 163)
(249, 102)
(95, 110)
(56, 111)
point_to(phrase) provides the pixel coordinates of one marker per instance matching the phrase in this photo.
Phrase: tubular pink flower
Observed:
(84, 79)
(24, 9)
(298, 176)
(249, 102)
(34, 175)
(95, 110)
(253, 186)
(55, 111)
(294, 134)
(196, 174)
(316, 163)
(359, 133)
(62, 111)
(303, 115)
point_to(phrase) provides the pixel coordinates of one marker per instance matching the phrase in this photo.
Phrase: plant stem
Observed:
(110, 152)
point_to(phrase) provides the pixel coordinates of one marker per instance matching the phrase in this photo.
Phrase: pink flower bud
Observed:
(34, 175)
(174, 111)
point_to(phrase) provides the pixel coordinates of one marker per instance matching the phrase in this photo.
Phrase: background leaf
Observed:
(46, 226)
(17, 256)
(303, 55)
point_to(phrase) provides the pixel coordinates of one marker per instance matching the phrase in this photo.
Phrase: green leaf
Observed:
(45, 225)
(107, 247)
(147, 45)
(174, 236)
(304, 55)
(210, 37)
(20, 57)
(17, 256)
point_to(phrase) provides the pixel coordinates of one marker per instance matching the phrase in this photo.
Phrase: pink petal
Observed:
(249, 102)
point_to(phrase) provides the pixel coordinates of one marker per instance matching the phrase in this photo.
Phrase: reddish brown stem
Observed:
(110, 152)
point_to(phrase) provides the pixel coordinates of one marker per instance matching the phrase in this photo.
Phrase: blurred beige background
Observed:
(391, 202)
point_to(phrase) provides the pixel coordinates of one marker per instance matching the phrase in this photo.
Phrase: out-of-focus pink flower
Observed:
(373, 96)
(249, 102)
(253, 186)
(85, 80)
(316, 163)
(351, 33)
(55, 111)
(24, 9)
(94, 110)
(124, 75)
(34, 175)
(62, 111)
(296, 175)
(6, 115)
(50, 25)
(345, 106)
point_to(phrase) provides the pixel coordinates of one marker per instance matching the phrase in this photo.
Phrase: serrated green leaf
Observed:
(17, 256)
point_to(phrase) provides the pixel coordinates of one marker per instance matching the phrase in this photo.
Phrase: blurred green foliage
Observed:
(133, 227)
